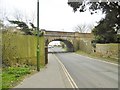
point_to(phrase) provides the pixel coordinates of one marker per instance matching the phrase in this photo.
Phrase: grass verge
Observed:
(97, 56)
(13, 75)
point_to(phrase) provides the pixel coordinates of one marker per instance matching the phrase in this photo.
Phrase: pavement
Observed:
(52, 76)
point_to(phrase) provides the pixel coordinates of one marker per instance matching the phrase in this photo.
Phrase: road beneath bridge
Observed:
(87, 72)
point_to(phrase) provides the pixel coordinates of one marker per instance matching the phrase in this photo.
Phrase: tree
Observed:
(18, 15)
(32, 25)
(104, 33)
(20, 24)
(82, 28)
(24, 27)
(109, 26)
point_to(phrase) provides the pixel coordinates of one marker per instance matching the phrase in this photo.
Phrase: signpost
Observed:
(38, 47)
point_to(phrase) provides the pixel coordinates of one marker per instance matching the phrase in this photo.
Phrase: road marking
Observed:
(97, 59)
(72, 82)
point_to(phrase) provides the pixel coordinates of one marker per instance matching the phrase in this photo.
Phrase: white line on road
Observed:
(72, 82)
(97, 59)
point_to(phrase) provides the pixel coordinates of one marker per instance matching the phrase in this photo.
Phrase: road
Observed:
(56, 49)
(87, 72)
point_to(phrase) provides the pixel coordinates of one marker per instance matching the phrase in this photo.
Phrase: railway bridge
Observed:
(70, 39)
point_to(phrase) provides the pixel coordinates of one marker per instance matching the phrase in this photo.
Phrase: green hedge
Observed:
(21, 49)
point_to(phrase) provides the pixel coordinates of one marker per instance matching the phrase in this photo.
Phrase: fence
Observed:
(21, 49)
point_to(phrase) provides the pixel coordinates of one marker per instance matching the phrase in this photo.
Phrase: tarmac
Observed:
(52, 76)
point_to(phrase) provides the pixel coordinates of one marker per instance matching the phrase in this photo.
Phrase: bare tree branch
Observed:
(18, 15)
(83, 28)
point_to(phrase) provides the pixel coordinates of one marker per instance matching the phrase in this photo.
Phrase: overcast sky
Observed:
(55, 15)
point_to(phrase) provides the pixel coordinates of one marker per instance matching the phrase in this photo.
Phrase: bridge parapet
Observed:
(59, 33)
(67, 34)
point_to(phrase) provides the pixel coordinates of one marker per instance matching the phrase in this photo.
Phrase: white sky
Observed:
(54, 14)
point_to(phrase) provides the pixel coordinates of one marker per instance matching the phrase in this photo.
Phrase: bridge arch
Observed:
(69, 45)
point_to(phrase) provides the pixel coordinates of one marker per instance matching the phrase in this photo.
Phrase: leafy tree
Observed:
(103, 33)
(107, 28)
(20, 24)
(24, 27)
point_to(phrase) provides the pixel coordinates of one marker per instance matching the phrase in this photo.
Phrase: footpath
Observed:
(52, 76)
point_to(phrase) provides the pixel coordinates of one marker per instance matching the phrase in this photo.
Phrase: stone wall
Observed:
(85, 45)
(104, 50)
(107, 50)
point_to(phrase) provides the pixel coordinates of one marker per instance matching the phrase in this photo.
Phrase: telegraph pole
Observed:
(38, 36)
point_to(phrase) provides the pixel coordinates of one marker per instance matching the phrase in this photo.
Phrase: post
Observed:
(46, 55)
(38, 47)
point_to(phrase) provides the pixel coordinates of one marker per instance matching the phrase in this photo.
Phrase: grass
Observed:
(13, 75)
(23, 48)
(97, 56)
(0, 78)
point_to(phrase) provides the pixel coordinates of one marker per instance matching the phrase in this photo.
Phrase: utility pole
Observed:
(38, 36)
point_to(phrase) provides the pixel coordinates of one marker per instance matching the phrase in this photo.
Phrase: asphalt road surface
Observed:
(88, 72)
(56, 49)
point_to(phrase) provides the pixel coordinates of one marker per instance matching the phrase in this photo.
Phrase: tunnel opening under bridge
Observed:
(63, 46)
(68, 47)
